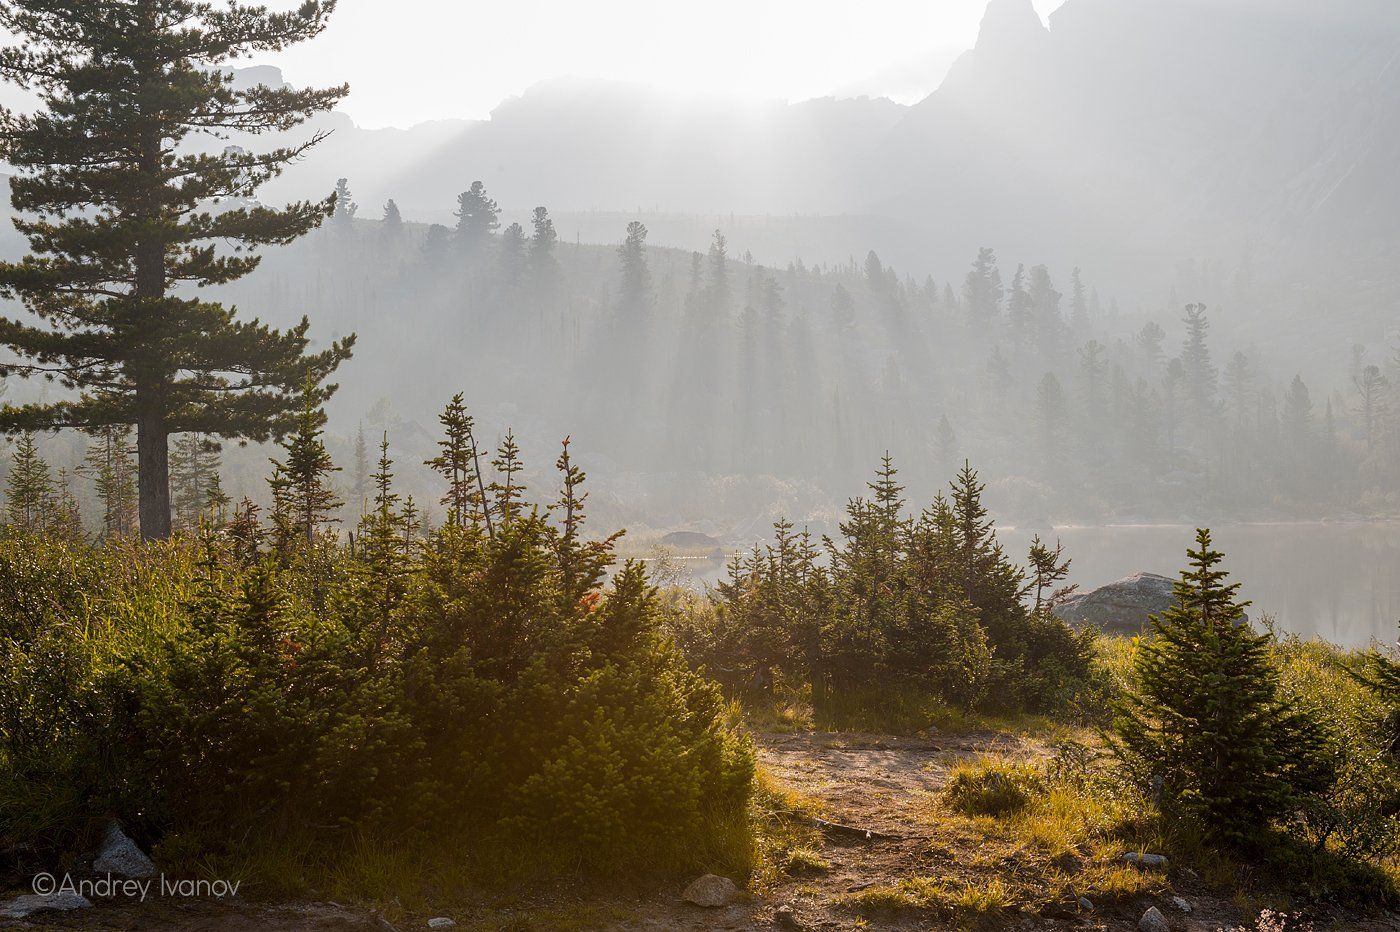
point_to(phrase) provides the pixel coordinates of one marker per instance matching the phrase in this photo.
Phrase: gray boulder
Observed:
(711, 891)
(1143, 859)
(1154, 921)
(119, 855)
(1119, 607)
(22, 907)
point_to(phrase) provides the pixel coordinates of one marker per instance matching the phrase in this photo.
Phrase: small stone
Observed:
(785, 918)
(441, 922)
(1181, 904)
(22, 907)
(1142, 859)
(1086, 904)
(711, 891)
(1154, 921)
(119, 855)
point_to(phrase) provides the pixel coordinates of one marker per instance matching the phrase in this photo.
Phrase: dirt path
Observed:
(874, 782)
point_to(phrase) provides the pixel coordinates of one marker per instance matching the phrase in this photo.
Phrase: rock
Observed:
(441, 922)
(1154, 921)
(785, 918)
(690, 539)
(711, 891)
(1181, 904)
(1140, 859)
(119, 855)
(1122, 606)
(22, 907)
(1086, 904)
(1119, 607)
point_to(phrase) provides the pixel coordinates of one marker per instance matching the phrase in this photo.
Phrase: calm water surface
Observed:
(1338, 581)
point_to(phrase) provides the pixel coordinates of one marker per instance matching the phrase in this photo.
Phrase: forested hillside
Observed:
(1126, 138)
(708, 387)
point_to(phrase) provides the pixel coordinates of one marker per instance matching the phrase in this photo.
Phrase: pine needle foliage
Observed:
(124, 215)
(1204, 724)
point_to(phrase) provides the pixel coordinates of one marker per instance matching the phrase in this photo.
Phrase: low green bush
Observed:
(992, 787)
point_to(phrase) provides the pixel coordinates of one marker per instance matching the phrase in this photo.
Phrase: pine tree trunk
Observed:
(153, 459)
(152, 433)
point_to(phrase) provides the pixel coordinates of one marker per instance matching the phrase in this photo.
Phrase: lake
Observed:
(1338, 581)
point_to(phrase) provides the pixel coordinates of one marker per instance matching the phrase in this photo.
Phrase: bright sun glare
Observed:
(417, 60)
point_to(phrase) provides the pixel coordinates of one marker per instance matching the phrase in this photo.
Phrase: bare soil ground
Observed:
(876, 782)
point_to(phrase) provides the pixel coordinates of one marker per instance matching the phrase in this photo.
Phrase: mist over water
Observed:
(1334, 581)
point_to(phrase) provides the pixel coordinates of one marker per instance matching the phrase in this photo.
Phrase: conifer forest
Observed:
(930, 467)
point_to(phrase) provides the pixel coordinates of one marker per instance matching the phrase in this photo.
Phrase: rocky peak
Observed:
(1009, 25)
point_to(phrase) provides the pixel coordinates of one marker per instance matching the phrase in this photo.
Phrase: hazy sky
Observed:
(414, 60)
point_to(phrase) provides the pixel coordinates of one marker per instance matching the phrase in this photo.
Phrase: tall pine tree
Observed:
(116, 203)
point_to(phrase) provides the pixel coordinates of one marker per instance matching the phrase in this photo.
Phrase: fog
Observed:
(991, 263)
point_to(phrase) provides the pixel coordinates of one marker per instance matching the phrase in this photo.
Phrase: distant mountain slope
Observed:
(1181, 125)
(584, 145)
(1124, 135)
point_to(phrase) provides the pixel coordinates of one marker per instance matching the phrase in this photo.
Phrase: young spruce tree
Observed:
(1204, 718)
(303, 499)
(123, 212)
(30, 492)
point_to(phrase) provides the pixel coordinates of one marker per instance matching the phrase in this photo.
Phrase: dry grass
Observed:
(964, 899)
(786, 840)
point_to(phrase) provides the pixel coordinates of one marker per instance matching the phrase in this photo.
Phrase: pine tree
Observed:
(1298, 414)
(1048, 326)
(391, 224)
(459, 463)
(359, 489)
(383, 554)
(1078, 303)
(345, 206)
(634, 295)
(65, 518)
(1047, 567)
(1380, 673)
(437, 243)
(1093, 369)
(1204, 719)
(115, 205)
(1371, 390)
(512, 254)
(1149, 342)
(1018, 308)
(582, 564)
(539, 260)
(508, 495)
(983, 290)
(544, 237)
(717, 286)
(303, 499)
(110, 463)
(478, 217)
(29, 489)
(1200, 372)
(245, 532)
(216, 501)
(1239, 390)
(194, 469)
